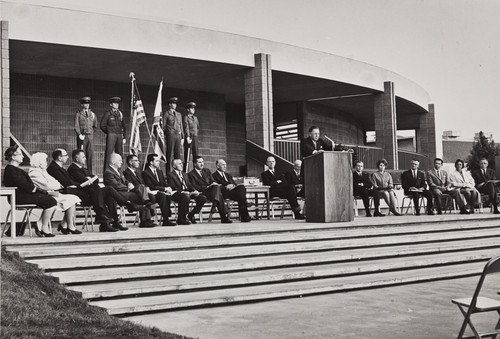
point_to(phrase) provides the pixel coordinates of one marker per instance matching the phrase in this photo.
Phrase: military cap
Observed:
(191, 105)
(172, 100)
(115, 99)
(85, 100)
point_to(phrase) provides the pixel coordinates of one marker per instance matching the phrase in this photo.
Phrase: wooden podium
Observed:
(328, 185)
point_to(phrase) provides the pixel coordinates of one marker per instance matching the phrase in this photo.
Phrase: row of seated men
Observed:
(51, 186)
(463, 186)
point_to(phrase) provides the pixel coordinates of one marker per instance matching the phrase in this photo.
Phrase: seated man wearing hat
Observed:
(113, 124)
(191, 128)
(85, 125)
(173, 131)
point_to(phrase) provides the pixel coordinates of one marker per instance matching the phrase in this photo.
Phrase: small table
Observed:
(11, 192)
(256, 190)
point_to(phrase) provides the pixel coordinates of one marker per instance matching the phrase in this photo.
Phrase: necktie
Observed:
(415, 174)
(224, 175)
(484, 173)
(439, 174)
(184, 187)
(156, 175)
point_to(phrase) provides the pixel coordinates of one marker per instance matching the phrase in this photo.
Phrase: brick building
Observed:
(244, 87)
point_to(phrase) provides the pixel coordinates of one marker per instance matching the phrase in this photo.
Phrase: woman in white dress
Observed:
(462, 180)
(66, 202)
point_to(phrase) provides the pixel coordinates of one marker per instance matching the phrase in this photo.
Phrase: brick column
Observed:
(4, 86)
(426, 135)
(259, 107)
(385, 124)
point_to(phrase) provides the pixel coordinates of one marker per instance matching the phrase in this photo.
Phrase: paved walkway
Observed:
(409, 311)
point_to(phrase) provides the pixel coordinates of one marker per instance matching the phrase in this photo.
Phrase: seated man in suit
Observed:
(280, 187)
(414, 185)
(89, 182)
(94, 197)
(484, 178)
(113, 177)
(439, 184)
(153, 178)
(131, 173)
(179, 181)
(201, 179)
(362, 187)
(295, 178)
(230, 190)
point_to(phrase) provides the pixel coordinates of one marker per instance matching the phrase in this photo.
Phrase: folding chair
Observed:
(356, 198)
(229, 204)
(477, 304)
(421, 203)
(27, 209)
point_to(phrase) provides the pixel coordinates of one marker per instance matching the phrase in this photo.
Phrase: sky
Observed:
(449, 47)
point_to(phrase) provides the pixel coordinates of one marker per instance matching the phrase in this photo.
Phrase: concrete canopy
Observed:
(59, 60)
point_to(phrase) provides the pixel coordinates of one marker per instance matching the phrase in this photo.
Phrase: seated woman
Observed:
(382, 183)
(66, 202)
(462, 180)
(26, 192)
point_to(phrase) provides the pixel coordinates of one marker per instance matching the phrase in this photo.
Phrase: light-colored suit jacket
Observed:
(436, 182)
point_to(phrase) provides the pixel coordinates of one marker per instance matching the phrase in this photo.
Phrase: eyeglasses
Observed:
(64, 155)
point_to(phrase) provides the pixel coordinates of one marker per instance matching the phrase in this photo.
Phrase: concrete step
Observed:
(193, 282)
(167, 302)
(211, 230)
(293, 260)
(142, 242)
(338, 249)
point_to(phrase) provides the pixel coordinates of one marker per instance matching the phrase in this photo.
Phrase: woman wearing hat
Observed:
(191, 128)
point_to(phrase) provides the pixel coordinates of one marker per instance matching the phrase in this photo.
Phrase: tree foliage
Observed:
(483, 148)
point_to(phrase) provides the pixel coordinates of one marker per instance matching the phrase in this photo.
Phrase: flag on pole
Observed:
(159, 137)
(138, 117)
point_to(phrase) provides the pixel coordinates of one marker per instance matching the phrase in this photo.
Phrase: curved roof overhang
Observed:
(108, 47)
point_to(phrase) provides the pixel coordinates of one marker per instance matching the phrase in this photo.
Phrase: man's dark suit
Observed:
(238, 193)
(185, 186)
(307, 146)
(362, 187)
(159, 184)
(138, 194)
(489, 188)
(213, 193)
(101, 196)
(296, 179)
(281, 189)
(408, 180)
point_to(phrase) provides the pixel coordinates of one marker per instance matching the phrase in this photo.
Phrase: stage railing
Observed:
(287, 149)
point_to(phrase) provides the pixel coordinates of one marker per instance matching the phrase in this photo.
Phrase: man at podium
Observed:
(280, 187)
(314, 144)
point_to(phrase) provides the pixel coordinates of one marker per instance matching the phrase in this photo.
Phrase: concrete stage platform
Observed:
(211, 264)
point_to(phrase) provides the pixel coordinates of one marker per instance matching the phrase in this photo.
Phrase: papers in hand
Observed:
(413, 189)
(89, 181)
(493, 181)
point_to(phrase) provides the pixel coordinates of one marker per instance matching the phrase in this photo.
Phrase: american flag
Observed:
(159, 137)
(138, 117)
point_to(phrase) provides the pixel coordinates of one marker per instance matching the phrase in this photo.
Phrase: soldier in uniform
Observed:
(173, 131)
(113, 125)
(85, 125)
(191, 129)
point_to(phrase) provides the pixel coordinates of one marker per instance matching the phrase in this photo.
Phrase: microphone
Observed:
(333, 142)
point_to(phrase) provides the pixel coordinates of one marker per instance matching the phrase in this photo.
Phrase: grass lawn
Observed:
(35, 306)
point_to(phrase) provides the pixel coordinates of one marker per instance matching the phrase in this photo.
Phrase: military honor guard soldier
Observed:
(173, 131)
(113, 125)
(85, 126)
(191, 129)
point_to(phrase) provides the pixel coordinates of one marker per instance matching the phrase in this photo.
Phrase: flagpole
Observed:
(145, 121)
(132, 76)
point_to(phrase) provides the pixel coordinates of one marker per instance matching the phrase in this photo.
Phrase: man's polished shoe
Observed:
(183, 222)
(417, 213)
(299, 216)
(464, 211)
(168, 222)
(119, 227)
(368, 215)
(226, 220)
(430, 212)
(396, 213)
(440, 212)
(101, 219)
(192, 219)
(247, 219)
(131, 207)
(147, 223)
(378, 214)
(105, 227)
